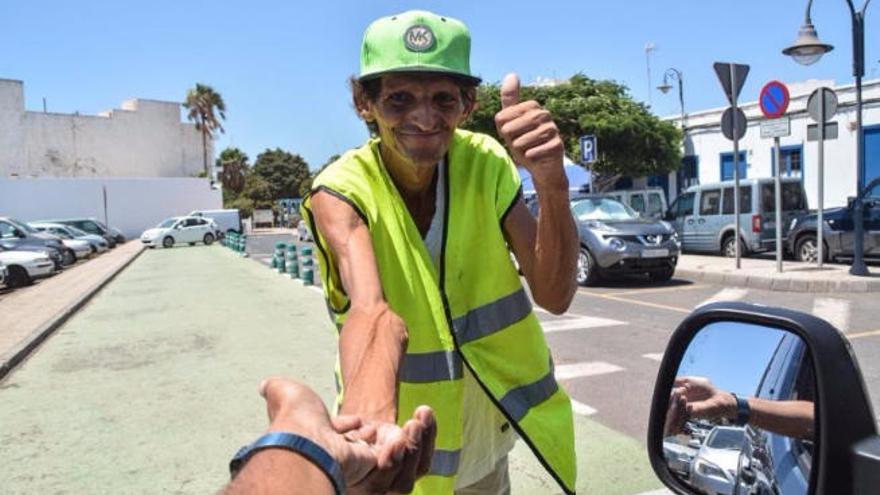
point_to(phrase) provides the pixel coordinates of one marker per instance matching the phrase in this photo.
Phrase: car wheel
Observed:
(18, 277)
(68, 257)
(208, 239)
(664, 275)
(587, 271)
(807, 249)
(168, 242)
(728, 248)
(94, 250)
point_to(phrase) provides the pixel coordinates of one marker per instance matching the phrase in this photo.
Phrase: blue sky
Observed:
(282, 66)
(732, 355)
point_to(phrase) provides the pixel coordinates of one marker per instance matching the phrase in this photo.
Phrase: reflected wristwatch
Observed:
(742, 410)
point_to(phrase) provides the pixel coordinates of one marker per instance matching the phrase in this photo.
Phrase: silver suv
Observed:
(704, 219)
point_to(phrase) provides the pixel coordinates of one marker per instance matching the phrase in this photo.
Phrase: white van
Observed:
(650, 203)
(227, 220)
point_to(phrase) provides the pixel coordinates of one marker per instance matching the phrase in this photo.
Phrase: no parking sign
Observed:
(773, 99)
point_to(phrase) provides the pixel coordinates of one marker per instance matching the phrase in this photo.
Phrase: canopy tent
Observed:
(578, 176)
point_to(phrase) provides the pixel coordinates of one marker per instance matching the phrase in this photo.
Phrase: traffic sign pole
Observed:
(820, 226)
(778, 184)
(736, 205)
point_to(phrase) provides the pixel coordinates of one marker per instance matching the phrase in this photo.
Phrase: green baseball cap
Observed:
(416, 41)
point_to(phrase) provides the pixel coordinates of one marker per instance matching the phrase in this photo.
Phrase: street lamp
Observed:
(806, 50)
(674, 74)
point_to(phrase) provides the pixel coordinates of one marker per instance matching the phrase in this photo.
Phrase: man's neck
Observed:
(412, 180)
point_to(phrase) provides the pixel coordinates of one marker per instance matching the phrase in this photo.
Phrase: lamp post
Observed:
(806, 50)
(674, 74)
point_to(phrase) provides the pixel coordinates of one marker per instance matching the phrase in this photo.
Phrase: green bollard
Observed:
(243, 246)
(308, 275)
(305, 251)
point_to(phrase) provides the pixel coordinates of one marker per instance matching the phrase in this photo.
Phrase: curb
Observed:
(780, 284)
(43, 332)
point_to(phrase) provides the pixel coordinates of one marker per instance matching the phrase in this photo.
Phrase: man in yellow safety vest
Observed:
(414, 232)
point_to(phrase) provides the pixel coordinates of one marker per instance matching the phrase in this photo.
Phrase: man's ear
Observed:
(363, 107)
(469, 97)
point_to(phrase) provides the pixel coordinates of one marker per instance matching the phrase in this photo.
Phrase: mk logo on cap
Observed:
(418, 38)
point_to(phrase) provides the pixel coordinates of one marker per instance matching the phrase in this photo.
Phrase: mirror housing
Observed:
(18, 233)
(846, 417)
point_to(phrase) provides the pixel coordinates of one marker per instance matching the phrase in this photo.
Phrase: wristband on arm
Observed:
(295, 443)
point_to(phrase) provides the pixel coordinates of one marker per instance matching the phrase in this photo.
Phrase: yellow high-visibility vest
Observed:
(474, 312)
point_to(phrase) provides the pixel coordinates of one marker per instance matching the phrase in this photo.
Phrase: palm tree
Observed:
(201, 102)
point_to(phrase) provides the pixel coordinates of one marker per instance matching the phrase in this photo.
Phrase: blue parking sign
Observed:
(588, 149)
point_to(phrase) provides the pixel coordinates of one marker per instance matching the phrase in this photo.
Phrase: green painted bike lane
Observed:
(151, 387)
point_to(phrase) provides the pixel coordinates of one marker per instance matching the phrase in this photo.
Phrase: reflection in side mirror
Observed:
(741, 416)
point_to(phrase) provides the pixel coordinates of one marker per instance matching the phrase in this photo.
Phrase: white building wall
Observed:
(145, 138)
(132, 205)
(704, 139)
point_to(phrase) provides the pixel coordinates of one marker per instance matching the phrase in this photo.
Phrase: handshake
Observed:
(373, 457)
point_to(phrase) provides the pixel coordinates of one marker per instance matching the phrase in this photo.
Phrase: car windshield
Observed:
(726, 439)
(167, 223)
(23, 226)
(601, 209)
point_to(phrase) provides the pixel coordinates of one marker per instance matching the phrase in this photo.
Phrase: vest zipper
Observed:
(448, 313)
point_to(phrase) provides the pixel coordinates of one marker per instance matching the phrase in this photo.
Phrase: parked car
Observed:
(228, 220)
(615, 240)
(180, 229)
(837, 235)
(21, 237)
(714, 469)
(704, 216)
(3, 274)
(680, 456)
(89, 225)
(97, 243)
(22, 267)
(649, 202)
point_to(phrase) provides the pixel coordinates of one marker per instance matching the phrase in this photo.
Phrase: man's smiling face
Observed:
(417, 114)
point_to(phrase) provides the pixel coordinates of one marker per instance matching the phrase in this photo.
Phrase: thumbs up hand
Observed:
(531, 136)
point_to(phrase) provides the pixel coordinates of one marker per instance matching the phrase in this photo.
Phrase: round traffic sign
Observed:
(822, 97)
(773, 99)
(727, 124)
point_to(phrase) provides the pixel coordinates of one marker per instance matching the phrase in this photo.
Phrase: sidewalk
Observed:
(761, 274)
(30, 314)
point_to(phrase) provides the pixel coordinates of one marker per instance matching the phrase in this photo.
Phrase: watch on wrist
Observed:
(743, 411)
(295, 443)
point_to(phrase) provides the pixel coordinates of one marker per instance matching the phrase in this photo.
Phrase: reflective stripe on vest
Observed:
(490, 318)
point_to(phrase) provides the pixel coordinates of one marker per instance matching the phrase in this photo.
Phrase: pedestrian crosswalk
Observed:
(579, 323)
(580, 370)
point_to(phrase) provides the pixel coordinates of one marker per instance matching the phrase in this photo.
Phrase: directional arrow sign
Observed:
(739, 72)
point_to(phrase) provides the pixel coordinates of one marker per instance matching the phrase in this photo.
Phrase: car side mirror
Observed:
(19, 234)
(755, 379)
(668, 216)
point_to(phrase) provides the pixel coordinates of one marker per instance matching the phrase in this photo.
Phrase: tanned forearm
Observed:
(371, 347)
(279, 472)
(792, 418)
(556, 247)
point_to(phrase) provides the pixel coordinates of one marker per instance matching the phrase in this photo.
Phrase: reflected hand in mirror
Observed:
(696, 398)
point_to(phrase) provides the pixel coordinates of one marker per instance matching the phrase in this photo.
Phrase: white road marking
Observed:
(578, 370)
(661, 491)
(727, 294)
(581, 323)
(834, 311)
(581, 408)
(654, 356)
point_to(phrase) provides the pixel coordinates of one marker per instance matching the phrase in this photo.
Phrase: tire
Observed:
(68, 257)
(807, 249)
(94, 250)
(664, 275)
(728, 248)
(587, 271)
(208, 239)
(18, 277)
(168, 242)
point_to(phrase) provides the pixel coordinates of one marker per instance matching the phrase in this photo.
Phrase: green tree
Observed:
(283, 171)
(256, 194)
(306, 186)
(631, 141)
(235, 166)
(202, 102)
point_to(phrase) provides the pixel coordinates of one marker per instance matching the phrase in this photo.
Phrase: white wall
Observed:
(145, 138)
(133, 205)
(705, 140)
